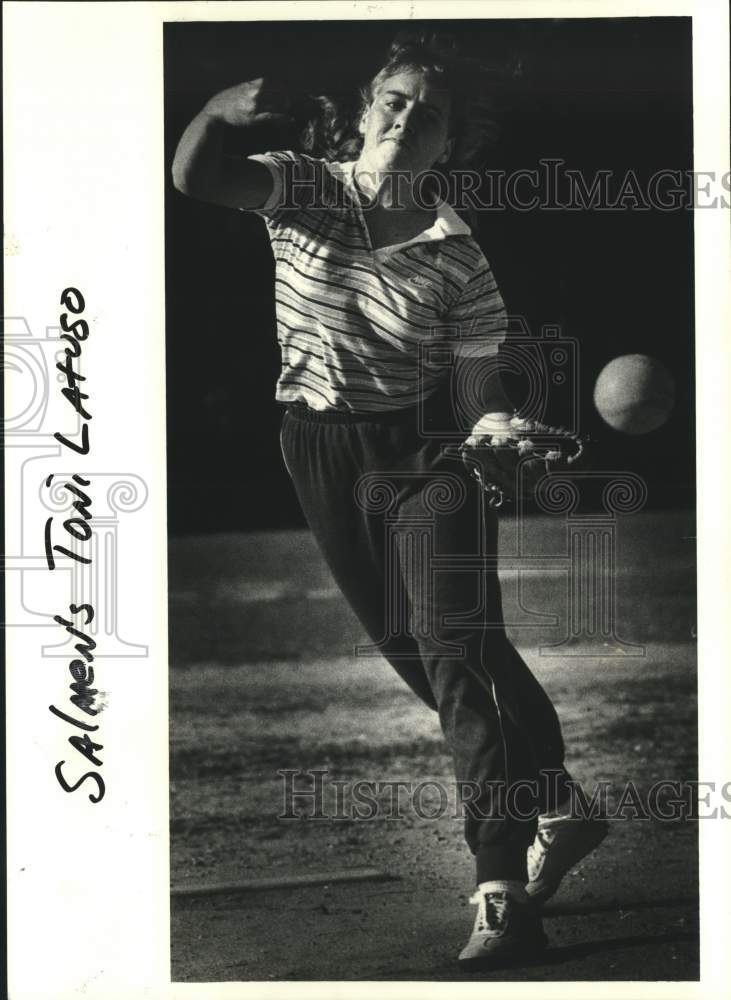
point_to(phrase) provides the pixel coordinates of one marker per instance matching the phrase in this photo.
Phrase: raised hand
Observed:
(253, 102)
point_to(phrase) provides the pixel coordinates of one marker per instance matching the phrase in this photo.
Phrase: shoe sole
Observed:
(518, 952)
(542, 889)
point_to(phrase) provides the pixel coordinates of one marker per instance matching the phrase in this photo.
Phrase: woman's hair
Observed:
(331, 129)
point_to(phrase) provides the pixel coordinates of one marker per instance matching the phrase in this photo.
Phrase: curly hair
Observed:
(330, 129)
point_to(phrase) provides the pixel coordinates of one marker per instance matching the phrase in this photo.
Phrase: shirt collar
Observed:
(447, 222)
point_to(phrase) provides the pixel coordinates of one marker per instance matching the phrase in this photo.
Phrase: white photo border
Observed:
(88, 888)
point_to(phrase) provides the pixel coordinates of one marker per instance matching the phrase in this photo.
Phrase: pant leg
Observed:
(495, 717)
(499, 722)
(541, 728)
(458, 622)
(325, 464)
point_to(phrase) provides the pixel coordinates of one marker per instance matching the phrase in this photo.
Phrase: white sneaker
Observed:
(507, 930)
(561, 842)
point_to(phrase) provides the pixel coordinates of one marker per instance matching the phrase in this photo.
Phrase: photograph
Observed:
(366, 375)
(430, 350)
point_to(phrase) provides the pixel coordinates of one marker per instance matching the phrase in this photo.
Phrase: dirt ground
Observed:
(263, 679)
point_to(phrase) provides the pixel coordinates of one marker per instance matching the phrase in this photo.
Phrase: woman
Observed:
(372, 276)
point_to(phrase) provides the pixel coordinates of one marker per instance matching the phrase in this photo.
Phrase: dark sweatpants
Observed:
(386, 505)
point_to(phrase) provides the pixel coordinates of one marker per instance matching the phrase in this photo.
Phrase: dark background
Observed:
(600, 94)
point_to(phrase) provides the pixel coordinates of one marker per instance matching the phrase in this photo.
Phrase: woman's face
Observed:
(406, 126)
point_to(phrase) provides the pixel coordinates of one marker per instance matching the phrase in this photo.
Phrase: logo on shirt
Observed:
(417, 279)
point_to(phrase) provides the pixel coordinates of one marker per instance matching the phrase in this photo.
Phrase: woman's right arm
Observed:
(202, 169)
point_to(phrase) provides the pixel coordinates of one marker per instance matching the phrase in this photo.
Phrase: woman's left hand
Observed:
(510, 454)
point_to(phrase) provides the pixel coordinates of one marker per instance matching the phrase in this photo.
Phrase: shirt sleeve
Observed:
(478, 321)
(296, 178)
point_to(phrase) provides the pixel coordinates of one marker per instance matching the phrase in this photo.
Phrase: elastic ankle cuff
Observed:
(515, 889)
(562, 811)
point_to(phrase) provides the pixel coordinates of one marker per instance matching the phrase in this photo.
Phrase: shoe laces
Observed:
(538, 850)
(492, 909)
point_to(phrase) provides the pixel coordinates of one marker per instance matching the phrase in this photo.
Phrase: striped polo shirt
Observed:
(363, 329)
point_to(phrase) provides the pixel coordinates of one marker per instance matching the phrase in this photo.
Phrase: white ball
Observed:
(634, 394)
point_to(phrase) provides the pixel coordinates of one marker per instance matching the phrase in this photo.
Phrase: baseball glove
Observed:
(510, 454)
